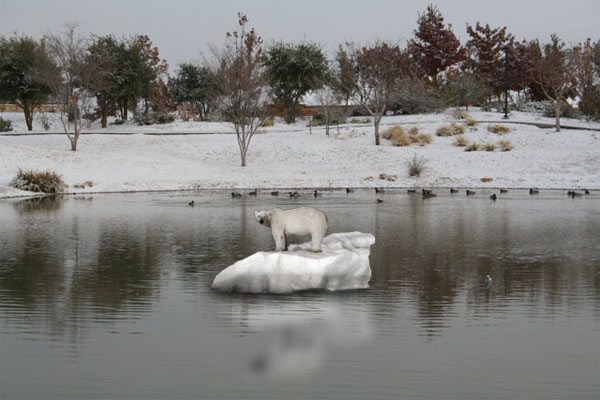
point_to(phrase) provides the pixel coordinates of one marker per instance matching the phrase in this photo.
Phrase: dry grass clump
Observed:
(505, 145)
(471, 122)
(472, 147)
(416, 166)
(460, 114)
(450, 130)
(498, 129)
(489, 146)
(400, 138)
(39, 181)
(268, 122)
(461, 141)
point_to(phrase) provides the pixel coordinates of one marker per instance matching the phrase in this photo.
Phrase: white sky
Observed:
(182, 29)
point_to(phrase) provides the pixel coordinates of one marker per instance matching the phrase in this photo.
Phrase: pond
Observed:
(108, 296)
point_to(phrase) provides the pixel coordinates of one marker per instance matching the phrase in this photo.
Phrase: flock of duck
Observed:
(425, 193)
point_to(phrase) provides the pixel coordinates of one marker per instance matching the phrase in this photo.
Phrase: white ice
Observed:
(343, 264)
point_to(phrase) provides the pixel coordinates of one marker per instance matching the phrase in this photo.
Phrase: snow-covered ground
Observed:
(288, 156)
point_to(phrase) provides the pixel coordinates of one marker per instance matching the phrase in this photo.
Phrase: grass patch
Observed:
(489, 146)
(460, 114)
(472, 147)
(461, 141)
(498, 129)
(471, 122)
(450, 130)
(505, 145)
(38, 181)
(416, 166)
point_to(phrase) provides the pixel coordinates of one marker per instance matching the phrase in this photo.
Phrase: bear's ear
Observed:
(255, 213)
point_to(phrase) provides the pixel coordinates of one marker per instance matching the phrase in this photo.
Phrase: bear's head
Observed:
(263, 217)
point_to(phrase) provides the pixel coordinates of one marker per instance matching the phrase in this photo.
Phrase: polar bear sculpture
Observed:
(299, 221)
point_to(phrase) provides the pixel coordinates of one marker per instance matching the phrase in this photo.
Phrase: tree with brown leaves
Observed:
(435, 48)
(244, 82)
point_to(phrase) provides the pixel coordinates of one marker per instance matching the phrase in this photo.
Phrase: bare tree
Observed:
(244, 82)
(329, 100)
(73, 93)
(553, 73)
(380, 70)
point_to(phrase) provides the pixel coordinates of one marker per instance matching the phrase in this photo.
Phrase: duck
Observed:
(586, 191)
(349, 190)
(411, 191)
(275, 193)
(236, 194)
(378, 190)
(503, 190)
(575, 194)
(425, 192)
(493, 197)
(534, 191)
(294, 194)
(452, 190)
(253, 193)
(191, 203)
(317, 194)
(488, 281)
(379, 201)
(470, 193)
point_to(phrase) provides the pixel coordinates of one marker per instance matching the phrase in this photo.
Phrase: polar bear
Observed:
(298, 221)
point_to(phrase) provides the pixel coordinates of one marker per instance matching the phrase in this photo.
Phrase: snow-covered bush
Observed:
(505, 145)
(5, 125)
(39, 181)
(461, 141)
(152, 118)
(498, 129)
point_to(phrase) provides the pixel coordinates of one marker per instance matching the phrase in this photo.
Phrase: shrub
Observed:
(5, 125)
(336, 118)
(461, 141)
(117, 121)
(414, 131)
(416, 166)
(39, 181)
(472, 147)
(497, 106)
(268, 122)
(360, 121)
(505, 145)
(44, 120)
(471, 122)
(416, 97)
(390, 133)
(499, 129)
(489, 146)
(152, 118)
(450, 130)
(460, 114)
(423, 139)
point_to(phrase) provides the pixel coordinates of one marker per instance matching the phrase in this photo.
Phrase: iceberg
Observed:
(342, 264)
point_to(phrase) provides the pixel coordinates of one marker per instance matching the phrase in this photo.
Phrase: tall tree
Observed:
(435, 48)
(73, 91)
(587, 77)
(244, 82)
(195, 86)
(485, 55)
(293, 71)
(552, 73)
(26, 73)
(380, 70)
(103, 53)
(152, 68)
(344, 77)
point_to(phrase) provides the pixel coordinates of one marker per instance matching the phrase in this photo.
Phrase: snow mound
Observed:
(343, 264)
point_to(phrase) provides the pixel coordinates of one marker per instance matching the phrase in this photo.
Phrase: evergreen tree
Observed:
(27, 73)
(196, 86)
(293, 71)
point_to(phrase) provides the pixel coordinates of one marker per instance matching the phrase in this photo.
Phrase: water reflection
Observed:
(136, 269)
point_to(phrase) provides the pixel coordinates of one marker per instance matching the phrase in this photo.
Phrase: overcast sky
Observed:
(182, 29)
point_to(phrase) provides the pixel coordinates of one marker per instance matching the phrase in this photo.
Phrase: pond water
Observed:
(108, 296)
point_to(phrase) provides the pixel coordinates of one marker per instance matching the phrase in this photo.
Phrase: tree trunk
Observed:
(28, 111)
(376, 121)
(243, 153)
(104, 116)
(557, 114)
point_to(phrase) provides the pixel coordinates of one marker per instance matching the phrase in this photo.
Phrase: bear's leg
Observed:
(316, 243)
(280, 242)
(285, 241)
